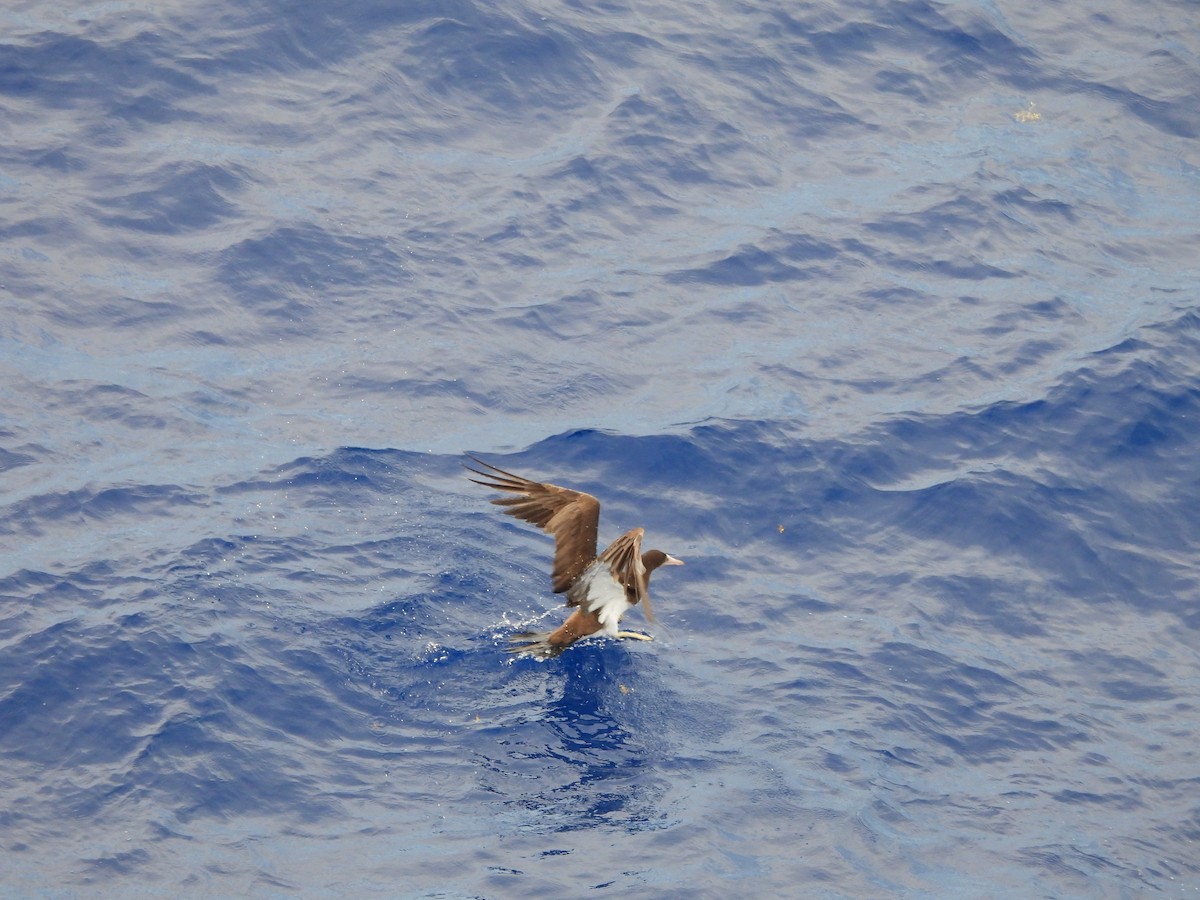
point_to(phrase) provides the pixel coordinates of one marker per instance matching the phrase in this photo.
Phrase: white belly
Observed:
(598, 593)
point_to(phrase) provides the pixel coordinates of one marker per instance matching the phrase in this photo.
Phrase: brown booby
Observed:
(600, 588)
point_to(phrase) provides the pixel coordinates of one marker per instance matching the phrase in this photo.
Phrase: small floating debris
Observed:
(1025, 116)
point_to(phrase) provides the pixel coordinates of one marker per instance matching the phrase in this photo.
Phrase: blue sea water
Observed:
(884, 317)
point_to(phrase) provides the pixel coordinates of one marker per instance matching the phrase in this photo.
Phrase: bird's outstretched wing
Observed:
(572, 517)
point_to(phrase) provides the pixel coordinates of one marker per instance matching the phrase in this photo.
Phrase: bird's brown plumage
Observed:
(573, 518)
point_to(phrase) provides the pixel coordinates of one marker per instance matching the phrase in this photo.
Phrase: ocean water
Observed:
(884, 317)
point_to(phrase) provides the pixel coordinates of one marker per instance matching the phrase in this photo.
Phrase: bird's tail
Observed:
(535, 644)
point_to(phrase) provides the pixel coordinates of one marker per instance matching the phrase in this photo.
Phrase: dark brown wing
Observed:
(624, 558)
(573, 517)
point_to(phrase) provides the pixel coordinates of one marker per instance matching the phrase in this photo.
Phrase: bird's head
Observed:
(652, 559)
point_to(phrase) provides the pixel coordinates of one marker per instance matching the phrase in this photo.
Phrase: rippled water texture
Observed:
(884, 317)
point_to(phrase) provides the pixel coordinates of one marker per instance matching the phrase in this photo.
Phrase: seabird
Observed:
(600, 588)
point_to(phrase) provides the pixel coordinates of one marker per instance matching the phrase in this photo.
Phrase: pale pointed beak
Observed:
(672, 561)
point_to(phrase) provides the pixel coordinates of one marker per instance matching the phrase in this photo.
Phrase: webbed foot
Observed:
(635, 635)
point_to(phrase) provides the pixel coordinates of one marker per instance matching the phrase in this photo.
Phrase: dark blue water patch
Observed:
(176, 719)
(781, 258)
(442, 391)
(655, 128)
(949, 51)
(497, 62)
(586, 747)
(961, 216)
(573, 317)
(347, 467)
(33, 514)
(342, 473)
(204, 553)
(1023, 201)
(58, 159)
(1002, 608)
(264, 38)
(1126, 678)
(966, 49)
(1181, 120)
(69, 71)
(183, 197)
(199, 762)
(1049, 311)
(13, 459)
(279, 274)
(969, 710)
(749, 266)
(300, 679)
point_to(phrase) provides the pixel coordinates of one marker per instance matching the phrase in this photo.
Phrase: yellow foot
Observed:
(636, 635)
